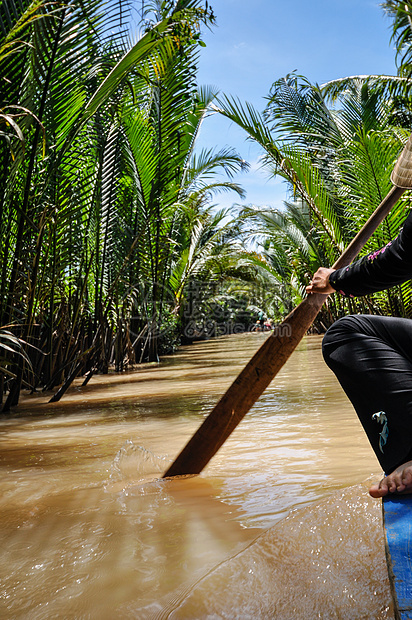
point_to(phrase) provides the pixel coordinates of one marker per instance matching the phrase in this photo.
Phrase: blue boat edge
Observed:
(397, 525)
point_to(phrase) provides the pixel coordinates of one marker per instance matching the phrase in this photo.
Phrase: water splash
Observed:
(134, 463)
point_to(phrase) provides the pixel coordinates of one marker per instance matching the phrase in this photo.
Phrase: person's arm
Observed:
(375, 272)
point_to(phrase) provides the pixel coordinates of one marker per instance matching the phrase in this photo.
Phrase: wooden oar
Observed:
(267, 362)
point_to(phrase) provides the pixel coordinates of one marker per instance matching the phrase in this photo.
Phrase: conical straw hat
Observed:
(402, 173)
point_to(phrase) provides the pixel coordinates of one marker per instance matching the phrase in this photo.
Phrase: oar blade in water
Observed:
(266, 363)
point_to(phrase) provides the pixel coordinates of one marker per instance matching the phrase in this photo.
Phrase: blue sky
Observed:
(256, 42)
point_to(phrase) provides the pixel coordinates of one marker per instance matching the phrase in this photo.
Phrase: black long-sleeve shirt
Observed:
(380, 270)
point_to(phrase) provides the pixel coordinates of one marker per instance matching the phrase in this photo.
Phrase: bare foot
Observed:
(399, 481)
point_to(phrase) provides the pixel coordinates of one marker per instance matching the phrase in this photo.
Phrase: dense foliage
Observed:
(105, 212)
(112, 250)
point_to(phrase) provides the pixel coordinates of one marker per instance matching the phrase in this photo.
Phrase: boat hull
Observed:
(397, 522)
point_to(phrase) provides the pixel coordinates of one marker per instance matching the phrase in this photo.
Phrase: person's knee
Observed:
(341, 325)
(338, 330)
(327, 342)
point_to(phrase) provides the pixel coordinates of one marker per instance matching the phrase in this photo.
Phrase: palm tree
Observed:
(97, 226)
(401, 15)
(61, 209)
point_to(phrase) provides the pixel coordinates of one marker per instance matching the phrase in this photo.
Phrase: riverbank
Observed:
(207, 363)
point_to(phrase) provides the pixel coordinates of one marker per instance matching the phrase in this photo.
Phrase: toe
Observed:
(378, 490)
(407, 477)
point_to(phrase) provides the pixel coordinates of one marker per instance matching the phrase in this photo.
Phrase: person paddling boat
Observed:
(372, 355)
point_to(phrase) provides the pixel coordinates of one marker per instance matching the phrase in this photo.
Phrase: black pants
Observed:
(372, 359)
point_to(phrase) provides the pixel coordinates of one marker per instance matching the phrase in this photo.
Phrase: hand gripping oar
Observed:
(278, 347)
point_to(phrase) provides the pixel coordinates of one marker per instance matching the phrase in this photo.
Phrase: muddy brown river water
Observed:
(279, 525)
